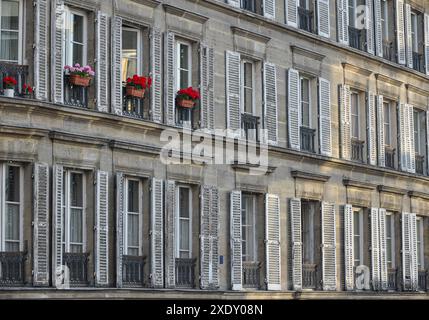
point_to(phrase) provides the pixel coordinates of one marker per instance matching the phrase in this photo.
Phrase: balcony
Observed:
(309, 276)
(251, 274)
(422, 280)
(418, 62)
(392, 279)
(389, 51)
(305, 19)
(420, 163)
(78, 268)
(307, 139)
(357, 38)
(76, 96)
(185, 273)
(357, 150)
(250, 126)
(19, 72)
(12, 269)
(132, 271)
(390, 157)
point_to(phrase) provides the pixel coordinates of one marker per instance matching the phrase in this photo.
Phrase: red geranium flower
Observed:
(188, 94)
(9, 82)
(139, 82)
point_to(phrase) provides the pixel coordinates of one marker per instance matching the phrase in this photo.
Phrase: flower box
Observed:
(78, 80)
(134, 92)
(185, 103)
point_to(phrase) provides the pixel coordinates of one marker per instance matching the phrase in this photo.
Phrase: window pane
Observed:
(248, 75)
(12, 222)
(9, 46)
(416, 132)
(386, 111)
(10, 15)
(12, 246)
(184, 56)
(78, 28)
(184, 202)
(76, 225)
(133, 230)
(129, 53)
(76, 189)
(356, 223)
(248, 100)
(355, 115)
(184, 79)
(308, 230)
(78, 53)
(184, 234)
(76, 248)
(133, 196)
(305, 102)
(12, 184)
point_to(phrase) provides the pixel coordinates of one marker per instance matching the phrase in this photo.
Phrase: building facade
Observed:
(336, 93)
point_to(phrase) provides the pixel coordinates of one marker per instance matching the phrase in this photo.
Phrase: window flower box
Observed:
(186, 98)
(185, 103)
(79, 76)
(137, 85)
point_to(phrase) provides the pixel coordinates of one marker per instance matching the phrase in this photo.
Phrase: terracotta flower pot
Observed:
(77, 80)
(132, 91)
(185, 103)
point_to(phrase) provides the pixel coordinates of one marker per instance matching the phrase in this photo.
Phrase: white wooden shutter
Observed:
(170, 234)
(378, 28)
(102, 63)
(170, 78)
(116, 77)
(400, 31)
(380, 126)
(406, 252)
(375, 249)
(426, 42)
(427, 137)
(383, 257)
(292, 13)
(120, 212)
(102, 229)
(348, 247)
(294, 109)
(323, 18)
(235, 238)
(369, 12)
(272, 241)
(57, 222)
(343, 21)
(413, 247)
(234, 3)
(269, 9)
(403, 146)
(270, 103)
(410, 141)
(207, 87)
(296, 239)
(41, 225)
(57, 51)
(409, 36)
(325, 133)
(345, 128)
(41, 49)
(214, 239)
(156, 74)
(233, 90)
(372, 128)
(157, 234)
(329, 257)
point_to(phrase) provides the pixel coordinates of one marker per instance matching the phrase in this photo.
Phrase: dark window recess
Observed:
(389, 51)
(307, 139)
(184, 117)
(249, 5)
(78, 268)
(357, 38)
(251, 274)
(135, 107)
(418, 62)
(305, 19)
(309, 276)
(185, 273)
(12, 268)
(423, 280)
(132, 271)
(392, 279)
(357, 150)
(420, 162)
(250, 126)
(19, 72)
(76, 96)
(390, 157)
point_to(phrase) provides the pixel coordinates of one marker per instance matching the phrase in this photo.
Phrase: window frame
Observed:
(20, 33)
(358, 211)
(385, 19)
(252, 227)
(387, 132)
(187, 43)
(417, 130)
(414, 31)
(179, 218)
(420, 243)
(392, 239)
(139, 214)
(352, 21)
(68, 48)
(311, 218)
(242, 86)
(353, 93)
(139, 49)
(301, 78)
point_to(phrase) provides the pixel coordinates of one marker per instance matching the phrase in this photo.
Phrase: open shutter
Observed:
(235, 238)
(170, 232)
(375, 249)
(323, 18)
(214, 239)
(294, 109)
(120, 212)
(41, 50)
(410, 140)
(348, 247)
(378, 28)
(270, 102)
(400, 31)
(272, 241)
(403, 136)
(372, 128)
(157, 234)
(329, 258)
(233, 90)
(269, 9)
(234, 3)
(409, 36)
(380, 126)
(102, 62)
(383, 257)
(343, 21)
(156, 73)
(207, 82)
(57, 223)
(426, 35)
(369, 12)
(58, 35)
(41, 225)
(102, 229)
(296, 240)
(345, 128)
(292, 13)
(406, 252)
(413, 248)
(170, 77)
(116, 65)
(325, 135)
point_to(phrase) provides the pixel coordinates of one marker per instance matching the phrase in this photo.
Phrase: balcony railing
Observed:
(420, 163)
(12, 268)
(185, 273)
(132, 271)
(309, 276)
(78, 268)
(184, 117)
(250, 126)
(307, 139)
(251, 274)
(390, 157)
(418, 62)
(422, 280)
(305, 19)
(357, 150)
(76, 96)
(388, 51)
(19, 72)
(392, 279)
(357, 38)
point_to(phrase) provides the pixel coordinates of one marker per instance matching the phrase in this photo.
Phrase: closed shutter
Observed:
(270, 103)
(296, 240)
(372, 128)
(413, 248)
(57, 223)
(343, 21)
(58, 35)
(323, 18)
(214, 239)
(294, 109)
(170, 78)
(375, 249)
(426, 32)
(411, 146)
(234, 3)
(235, 238)
(102, 229)
(156, 73)
(400, 31)
(383, 257)
(233, 91)
(170, 232)
(403, 136)
(116, 65)
(120, 212)
(380, 125)
(41, 49)
(348, 247)
(345, 128)
(369, 12)
(41, 225)
(329, 257)
(292, 13)
(406, 252)
(409, 36)
(325, 134)
(272, 241)
(207, 87)
(157, 234)
(378, 28)
(269, 9)
(102, 62)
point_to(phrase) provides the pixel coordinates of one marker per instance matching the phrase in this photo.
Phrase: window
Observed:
(308, 236)
(390, 240)
(352, 13)
(248, 227)
(355, 114)
(305, 102)
(184, 65)
(358, 237)
(420, 244)
(387, 126)
(76, 37)
(304, 4)
(133, 224)
(131, 52)
(417, 131)
(247, 85)
(184, 249)
(414, 33)
(11, 30)
(384, 20)
(248, 5)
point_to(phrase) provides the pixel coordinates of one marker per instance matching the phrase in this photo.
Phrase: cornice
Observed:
(417, 90)
(249, 34)
(358, 184)
(309, 176)
(182, 13)
(388, 79)
(356, 69)
(418, 194)
(383, 188)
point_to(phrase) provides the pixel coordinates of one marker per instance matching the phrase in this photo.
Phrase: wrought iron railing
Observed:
(12, 268)
(76, 96)
(250, 126)
(357, 150)
(305, 19)
(185, 273)
(307, 139)
(392, 279)
(184, 117)
(248, 5)
(19, 72)
(132, 271)
(420, 163)
(77, 264)
(357, 38)
(309, 276)
(388, 50)
(251, 274)
(423, 280)
(134, 107)
(418, 62)
(390, 157)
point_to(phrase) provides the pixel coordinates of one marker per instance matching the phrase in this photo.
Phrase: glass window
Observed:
(248, 227)
(12, 208)
(10, 30)
(390, 241)
(185, 225)
(387, 127)
(131, 52)
(357, 237)
(133, 217)
(384, 20)
(352, 13)
(247, 86)
(414, 32)
(308, 212)
(76, 33)
(305, 103)
(420, 243)
(355, 114)
(303, 4)
(416, 119)
(249, 5)
(184, 74)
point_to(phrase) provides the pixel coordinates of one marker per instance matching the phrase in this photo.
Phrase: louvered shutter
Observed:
(156, 74)
(323, 18)
(296, 240)
(378, 28)
(207, 87)
(369, 12)
(380, 126)
(345, 128)
(41, 225)
(58, 35)
(325, 135)
(157, 234)
(383, 257)
(400, 31)
(426, 43)
(170, 232)
(102, 229)
(270, 102)
(269, 9)
(57, 223)
(272, 241)
(329, 257)
(343, 21)
(120, 212)
(214, 239)
(233, 91)
(410, 141)
(372, 128)
(427, 137)
(170, 78)
(348, 247)
(41, 49)
(409, 36)
(292, 13)
(375, 249)
(294, 109)
(234, 3)
(403, 136)
(413, 248)
(116, 65)
(102, 62)
(235, 238)
(406, 252)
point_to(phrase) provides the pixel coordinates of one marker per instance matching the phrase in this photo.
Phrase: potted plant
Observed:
(186, 98)
(9, 84)
(27, 90)
(137, 85)
(79, 76)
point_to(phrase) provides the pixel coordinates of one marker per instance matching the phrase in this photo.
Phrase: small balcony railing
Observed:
(76, 96)
(249, 5)
(392, 279)
(77, 264)
(185, 273)
(423, 280)
(390, 157)
(251, 274)
(305, 19)
(420, 163)
(357, 38)
(309, 276)
(132, 271)
(418, 61)
(388, 50)
(184, 117)
(307, 139)
(12, 268)
(19, 72)
(250, 126)
(357, 150)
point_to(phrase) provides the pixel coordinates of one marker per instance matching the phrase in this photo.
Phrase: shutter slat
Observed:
(380, 125)
(345, 130)
(57, 225)
(324, 20)
(214, 237)
(409, 36)
(102, 62)
(292, 13)
(383, 257)
(156, 72)
(343, 21)
(406, 252)
(58, 35)
(272, 241)
(270, 100)
(403, 136)
(325, 135)
(170, 78)
(41, 50)
(170, 232)
(378, 28)
(413, 248)
(207, 87)
(102, 229)
(157, 234)
(296, 240)
(410, 140)
(235, 238)
(375, 249)
(372, 128)
(269, 9)
(120, 211)
(294, 109)
(400, 31)
(116, 65)
(348, 247)
(233, 91)
(329, 265)
(369, 12)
